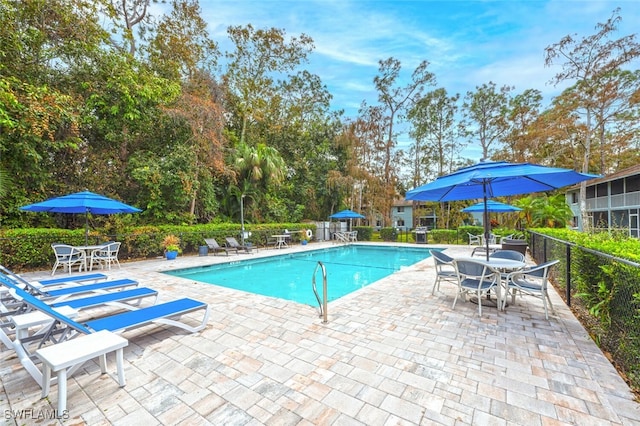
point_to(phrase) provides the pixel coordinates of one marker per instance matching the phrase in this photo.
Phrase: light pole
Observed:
(242, 217)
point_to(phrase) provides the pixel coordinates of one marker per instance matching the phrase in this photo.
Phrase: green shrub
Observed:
(389, 234)
(29, 249)
(365, 233)
(464, 231)
(443, 236)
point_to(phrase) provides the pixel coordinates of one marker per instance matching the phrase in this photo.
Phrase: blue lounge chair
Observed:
(116, 298)
(9, 307)
(67, 280)
(65, 328)
(7, 278)
(88, 288)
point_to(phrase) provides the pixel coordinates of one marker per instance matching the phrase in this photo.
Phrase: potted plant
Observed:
(171, 245)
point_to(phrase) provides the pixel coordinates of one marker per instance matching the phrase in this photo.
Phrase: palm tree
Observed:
(552, 212)
(257, 169)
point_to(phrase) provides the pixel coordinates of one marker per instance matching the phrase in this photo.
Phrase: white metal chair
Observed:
(492, 239)
(478, 279)
(67, 256)
(445, 271)
(105, 256)
(474, 240)
(532, 282)
(505, 238)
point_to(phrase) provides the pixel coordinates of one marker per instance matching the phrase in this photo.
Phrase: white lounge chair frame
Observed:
(64, 328)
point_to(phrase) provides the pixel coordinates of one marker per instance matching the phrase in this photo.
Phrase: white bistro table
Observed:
(281, 240)
(87, 252)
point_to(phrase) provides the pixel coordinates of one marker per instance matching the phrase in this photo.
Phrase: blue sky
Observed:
(468, 43)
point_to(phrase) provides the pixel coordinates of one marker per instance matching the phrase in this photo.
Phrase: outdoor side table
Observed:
(62, 356)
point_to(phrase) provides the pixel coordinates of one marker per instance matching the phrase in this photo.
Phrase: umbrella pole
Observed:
(486, 220)
(86, 228)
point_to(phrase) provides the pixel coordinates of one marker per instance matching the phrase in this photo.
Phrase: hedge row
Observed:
(30, 249)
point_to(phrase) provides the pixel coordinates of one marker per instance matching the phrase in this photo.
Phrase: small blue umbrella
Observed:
(82, 202)
(490, 179)
(346, 214)
(492, 207)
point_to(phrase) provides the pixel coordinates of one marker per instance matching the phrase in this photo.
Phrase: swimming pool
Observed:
(289, 276)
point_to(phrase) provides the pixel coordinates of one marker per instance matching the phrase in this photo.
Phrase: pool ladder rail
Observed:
(322, 303)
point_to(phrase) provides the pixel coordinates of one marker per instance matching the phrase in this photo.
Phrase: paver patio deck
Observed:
(391, 353)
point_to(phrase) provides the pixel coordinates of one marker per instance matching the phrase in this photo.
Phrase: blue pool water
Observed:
(349, 268)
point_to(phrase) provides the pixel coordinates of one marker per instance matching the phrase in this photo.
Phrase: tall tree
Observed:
(42, 43)
(181, 46)
(485, 113)
(523, 111)
(396, 101)
(259, 55)
(125, 15)
(257, 168)
(587, 61)
(435, 129)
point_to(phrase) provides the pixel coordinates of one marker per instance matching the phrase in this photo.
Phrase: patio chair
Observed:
(64, 328)
(215, 247)
(474, 240)
(492, 239)
(478, 279)
(445, 271)
(532, 281)
(67, 256)
(508, 254)
(234, 244)
(342, 237)
(506, 238)
(105, 256)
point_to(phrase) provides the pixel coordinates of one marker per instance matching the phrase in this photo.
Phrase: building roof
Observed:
(399, 202)
(629, 171)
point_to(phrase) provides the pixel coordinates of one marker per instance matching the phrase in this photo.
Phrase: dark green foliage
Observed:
(29, 249)
(389, 234)
(444, 236)
(463, 232)
(365, 233)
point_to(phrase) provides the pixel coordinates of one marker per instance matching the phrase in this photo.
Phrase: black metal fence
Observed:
(603, 291)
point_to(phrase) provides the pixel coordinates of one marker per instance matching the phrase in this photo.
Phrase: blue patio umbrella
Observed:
(346, 214)
(492, 207)
(490, 179)
(82, 202)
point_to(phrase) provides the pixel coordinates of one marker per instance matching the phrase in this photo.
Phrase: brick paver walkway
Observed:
(391, 354)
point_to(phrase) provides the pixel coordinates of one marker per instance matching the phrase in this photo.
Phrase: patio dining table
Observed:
(501, 265)
(87, 252)
(281, 240)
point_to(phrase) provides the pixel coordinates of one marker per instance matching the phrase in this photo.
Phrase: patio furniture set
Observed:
(504, 271)
(85, 257)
